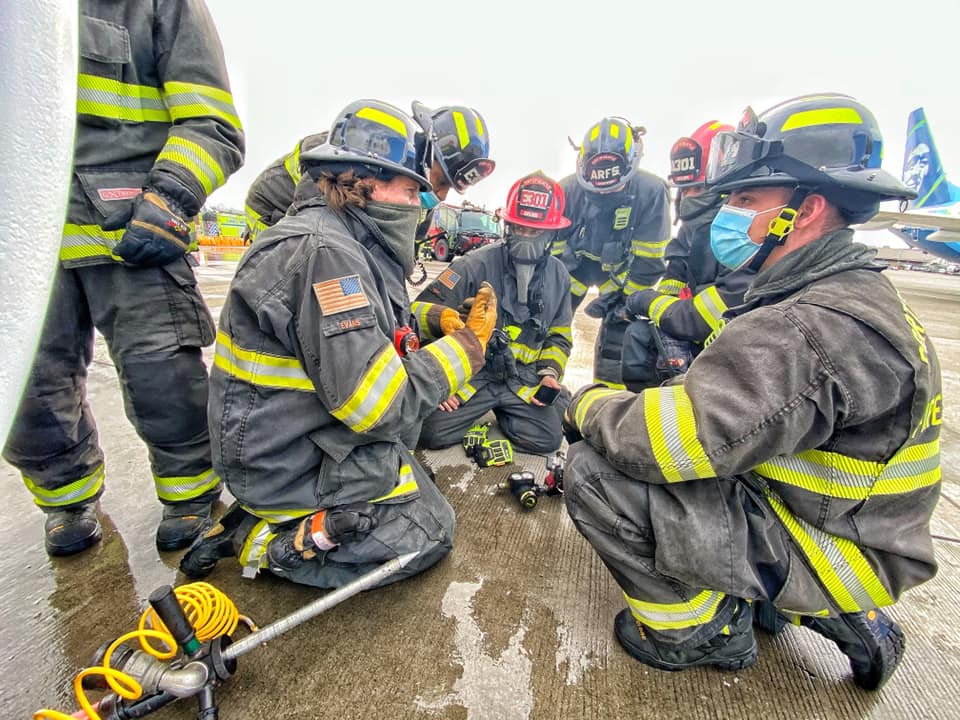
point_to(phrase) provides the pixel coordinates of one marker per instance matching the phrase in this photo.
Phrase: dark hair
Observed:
(345, 188)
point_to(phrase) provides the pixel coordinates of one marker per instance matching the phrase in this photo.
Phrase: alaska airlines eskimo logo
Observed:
(621, 217)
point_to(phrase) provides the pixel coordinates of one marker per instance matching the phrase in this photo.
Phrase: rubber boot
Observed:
(223, 540)
(734, 651)
(71, 530)
(183, 522)
(872, 640)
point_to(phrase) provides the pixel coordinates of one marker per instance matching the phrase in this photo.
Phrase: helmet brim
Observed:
(333, 155)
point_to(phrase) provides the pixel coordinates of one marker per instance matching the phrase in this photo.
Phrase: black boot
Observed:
(736, 651)
(872, 640)
(183, 522)
(289, 549)
(223, 540)
(767, 618)
(71, 530)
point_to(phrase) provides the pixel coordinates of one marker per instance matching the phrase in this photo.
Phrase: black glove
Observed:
(639, 303)
(569, 430)
(156, 229)
(349, 523)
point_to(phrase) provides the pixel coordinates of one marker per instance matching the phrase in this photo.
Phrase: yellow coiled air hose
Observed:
(210, 612)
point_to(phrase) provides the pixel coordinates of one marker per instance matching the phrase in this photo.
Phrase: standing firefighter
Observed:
(798, 462)
(316, 379)
(689, 301)
(531, 347)
(620, 226)
(156, 134)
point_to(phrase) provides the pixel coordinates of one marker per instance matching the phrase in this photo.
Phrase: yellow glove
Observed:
(483, 314)
(450, 321)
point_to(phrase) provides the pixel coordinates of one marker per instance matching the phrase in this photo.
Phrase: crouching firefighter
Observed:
(315, 383)
(685, 311)
(799, 460)
(528, 353)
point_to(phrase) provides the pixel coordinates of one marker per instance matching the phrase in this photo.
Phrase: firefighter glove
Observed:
(639, 303)
(450, 321)
(156, 231)
(483, 314)
(568, 428)
(476, 435)
(348, 523)
(492, 453)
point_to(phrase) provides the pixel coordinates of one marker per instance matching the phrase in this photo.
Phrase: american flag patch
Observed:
(449, 279)
(340, 295)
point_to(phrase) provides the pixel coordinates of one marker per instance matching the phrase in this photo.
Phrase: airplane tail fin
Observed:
(922, 169)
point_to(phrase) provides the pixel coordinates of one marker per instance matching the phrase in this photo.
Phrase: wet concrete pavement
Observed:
(516, 623)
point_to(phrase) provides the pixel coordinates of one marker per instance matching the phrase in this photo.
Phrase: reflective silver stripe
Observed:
(698, 610)
(659, 306)
(106, 97)
(649, 249)
(466, 392)
(194, 158)
(453, 361)
(252, 554)
(292, 165)
(178, 489)
(420, 311)
(83, 241)
(374, 393)
(711, 307)
(188, 100)
(86, 488)
(672, 430)
(272, 371)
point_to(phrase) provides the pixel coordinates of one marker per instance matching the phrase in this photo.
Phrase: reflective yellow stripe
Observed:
(261, 369)
(588, 399)
(670, 286)
(649, 249)
(672, 429)
(189, 100)
(841, 567)
(196, 159)
(479, 124)
(698, 610)
(526, 392)
(375, 392)
(419, 311)
(594, 133)
(254, 223)
(251, 555)
(828, 116)
(453, 361)
(524, 353)
(839, 476)
(466, 392)
(105, 97)
(563, 331)
(610, 384)
(660, 305)
(378, 116)
(577, 288)
(607, 287)
(463, 135)
(185, 487)
(276, 517)
(554, 354)
(711, 307)
(87, 241)
(407, 485)
(558, 247)
(292, 165)
(631, 287)
(86, 488)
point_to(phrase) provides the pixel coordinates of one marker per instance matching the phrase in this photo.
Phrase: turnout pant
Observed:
(678, 550)
(529, 427)
(154, 322)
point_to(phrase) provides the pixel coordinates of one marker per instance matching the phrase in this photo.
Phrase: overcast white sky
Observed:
(540, 71)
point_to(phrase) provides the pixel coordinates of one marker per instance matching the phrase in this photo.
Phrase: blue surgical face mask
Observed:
(730, 235)
(428, 200)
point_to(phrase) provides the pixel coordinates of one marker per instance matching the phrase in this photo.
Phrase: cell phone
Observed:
(546, 395)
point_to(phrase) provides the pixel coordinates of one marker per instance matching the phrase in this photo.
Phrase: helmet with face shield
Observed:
(533, 214)
(828, 143)
(457, 141)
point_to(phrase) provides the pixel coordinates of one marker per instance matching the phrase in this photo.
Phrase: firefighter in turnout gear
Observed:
(454, 152)
(690, 299)
(531, 347)
(620, 227)
(317, 379)
(798, 460)
(156, 134)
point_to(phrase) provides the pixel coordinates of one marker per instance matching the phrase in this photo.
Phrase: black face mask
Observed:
(690, 207)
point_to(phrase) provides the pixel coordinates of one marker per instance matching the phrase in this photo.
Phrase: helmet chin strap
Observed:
(780, 227)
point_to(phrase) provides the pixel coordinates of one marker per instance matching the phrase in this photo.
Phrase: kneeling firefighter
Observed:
(685, 312)
(526, 358)
(316, 381)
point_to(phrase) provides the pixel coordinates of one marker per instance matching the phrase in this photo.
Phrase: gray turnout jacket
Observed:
(309, 397)
(823, 395)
